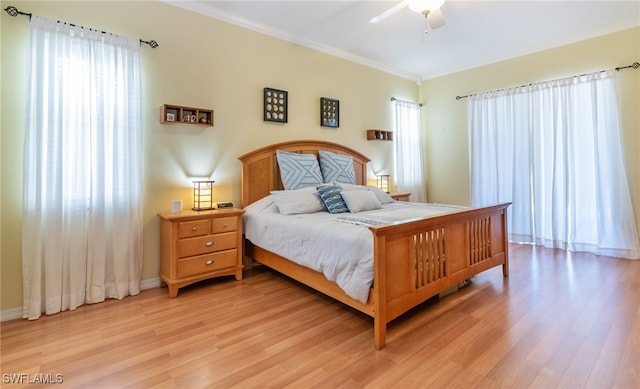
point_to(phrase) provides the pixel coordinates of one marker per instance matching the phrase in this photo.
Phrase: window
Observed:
(409, 168)
(553, 149)
(83, 167)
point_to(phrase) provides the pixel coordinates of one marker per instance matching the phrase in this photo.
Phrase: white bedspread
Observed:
(340, 246)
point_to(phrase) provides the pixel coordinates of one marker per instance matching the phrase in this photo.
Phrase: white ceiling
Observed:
(476, 33)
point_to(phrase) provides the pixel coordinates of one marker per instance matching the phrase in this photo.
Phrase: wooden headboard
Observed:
(261, 174)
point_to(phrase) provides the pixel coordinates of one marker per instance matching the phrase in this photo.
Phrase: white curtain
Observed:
(554, 150)
(82, 219)
(409, 166)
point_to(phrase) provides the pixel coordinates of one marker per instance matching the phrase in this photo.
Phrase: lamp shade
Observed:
(202, 195)
(383, 182)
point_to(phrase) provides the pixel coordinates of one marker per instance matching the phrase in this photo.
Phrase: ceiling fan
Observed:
(429, 8)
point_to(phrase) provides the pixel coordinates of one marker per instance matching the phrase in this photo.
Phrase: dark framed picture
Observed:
(275, 105)
(329, 112)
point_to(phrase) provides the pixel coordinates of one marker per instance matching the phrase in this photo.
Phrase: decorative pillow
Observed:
(298, 170)
(330, 195)
(381, 195)
(293, 202)
(351, 187)
(360, 200)
(337, 167)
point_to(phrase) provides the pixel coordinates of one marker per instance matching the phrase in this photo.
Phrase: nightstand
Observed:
(197, 245)
(400, 196)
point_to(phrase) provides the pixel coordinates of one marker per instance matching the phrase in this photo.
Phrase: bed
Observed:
(413, 260)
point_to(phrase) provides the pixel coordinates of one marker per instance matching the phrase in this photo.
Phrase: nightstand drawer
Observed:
(207, 244)
(207, 263)
(193, 228)
(224, 224)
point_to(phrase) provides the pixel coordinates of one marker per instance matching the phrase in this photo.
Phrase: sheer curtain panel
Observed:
(409, 167)
(82, 214)
(554, 150)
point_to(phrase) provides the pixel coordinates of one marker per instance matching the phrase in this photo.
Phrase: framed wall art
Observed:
(329, 112)
(275, 105)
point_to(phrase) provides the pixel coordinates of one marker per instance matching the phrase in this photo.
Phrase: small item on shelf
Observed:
(379, 135)
(176, 114)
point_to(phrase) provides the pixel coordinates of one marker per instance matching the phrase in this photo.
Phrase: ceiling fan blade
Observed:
(435, 19)
(389, 12)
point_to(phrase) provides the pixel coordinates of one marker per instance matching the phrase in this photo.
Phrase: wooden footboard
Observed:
(414, 261)
(417, 260)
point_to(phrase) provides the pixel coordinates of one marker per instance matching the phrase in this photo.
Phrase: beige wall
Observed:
(445, 118)
(204, 63)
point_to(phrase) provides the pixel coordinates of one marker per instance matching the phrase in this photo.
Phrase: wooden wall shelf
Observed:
(178, 114)
(379, 135)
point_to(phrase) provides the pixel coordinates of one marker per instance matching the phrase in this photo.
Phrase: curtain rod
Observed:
(405, 101)
(13, 11)
(634, 65)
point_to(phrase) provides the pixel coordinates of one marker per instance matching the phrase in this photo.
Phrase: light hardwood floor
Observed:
(559, 320)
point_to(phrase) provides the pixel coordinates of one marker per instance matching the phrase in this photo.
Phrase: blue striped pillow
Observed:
(330, 195)
(298, 170)
(337, 167)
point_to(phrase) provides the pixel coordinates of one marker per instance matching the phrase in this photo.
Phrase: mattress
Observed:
(340, 246)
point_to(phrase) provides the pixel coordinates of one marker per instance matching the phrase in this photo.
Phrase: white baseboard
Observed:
(16, 313)
(11, 314)
(150, 283)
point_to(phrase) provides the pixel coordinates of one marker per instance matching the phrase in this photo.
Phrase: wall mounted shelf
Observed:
(379, 135)
(178, 114)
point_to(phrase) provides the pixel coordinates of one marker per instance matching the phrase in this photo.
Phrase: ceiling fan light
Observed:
(422, 6)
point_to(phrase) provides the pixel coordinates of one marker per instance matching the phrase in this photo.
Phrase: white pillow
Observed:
(350, 186)
(293, 202)
(360, 200)
(381, 195)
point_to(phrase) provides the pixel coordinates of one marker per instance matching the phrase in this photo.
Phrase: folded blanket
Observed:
(361, 221)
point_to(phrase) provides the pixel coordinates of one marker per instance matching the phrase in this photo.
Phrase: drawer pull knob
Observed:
(209, 262)
(225, 225)
(194, 228)
(209, 244)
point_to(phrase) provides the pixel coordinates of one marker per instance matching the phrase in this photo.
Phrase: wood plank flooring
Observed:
(560, 320)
